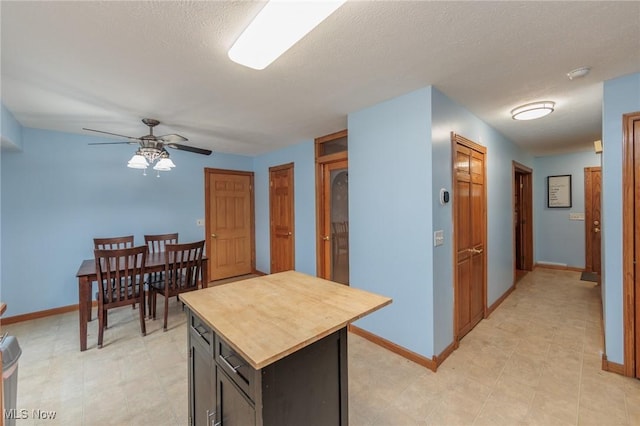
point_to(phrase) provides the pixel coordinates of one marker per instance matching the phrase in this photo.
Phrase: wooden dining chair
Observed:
(120, 274)
(157, 243)
(113, 243)
(340, 240)
(182, 269)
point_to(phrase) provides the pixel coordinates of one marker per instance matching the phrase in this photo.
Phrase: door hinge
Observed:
(271, 183)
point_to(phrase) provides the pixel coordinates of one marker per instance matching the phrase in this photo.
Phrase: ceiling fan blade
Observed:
(172, 138)
(109, 133)
(189, 148)
(113, 143)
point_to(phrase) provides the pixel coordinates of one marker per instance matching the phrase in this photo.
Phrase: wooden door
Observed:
(517, 214)
(631, 242)
(281, 210)
(332, 206)
(469, 233)
(592, 220)
(334, 225)
(523, 217)
(229, 223)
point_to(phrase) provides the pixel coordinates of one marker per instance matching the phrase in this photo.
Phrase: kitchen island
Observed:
(272, 350)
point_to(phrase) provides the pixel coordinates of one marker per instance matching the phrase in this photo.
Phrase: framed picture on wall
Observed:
(559, 191)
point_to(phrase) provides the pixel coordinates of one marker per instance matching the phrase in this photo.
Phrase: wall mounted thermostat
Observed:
(444, 196)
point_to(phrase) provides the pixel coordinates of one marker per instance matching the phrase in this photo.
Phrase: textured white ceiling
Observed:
(106, 64)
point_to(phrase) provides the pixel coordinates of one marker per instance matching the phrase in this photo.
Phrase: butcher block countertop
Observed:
(266, 318)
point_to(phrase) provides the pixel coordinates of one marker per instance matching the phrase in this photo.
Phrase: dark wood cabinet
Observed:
(235, 408)
(202, 379)
(307, 387)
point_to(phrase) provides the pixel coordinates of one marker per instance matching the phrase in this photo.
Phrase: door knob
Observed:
(596, 230)
(214, 236)
(289, 233)
(325, 237)
(596, 223)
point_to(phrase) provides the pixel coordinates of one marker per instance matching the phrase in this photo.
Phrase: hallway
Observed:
(535, 361)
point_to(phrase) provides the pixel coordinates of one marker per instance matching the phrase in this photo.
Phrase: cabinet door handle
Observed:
(224, 359)
(212, 415)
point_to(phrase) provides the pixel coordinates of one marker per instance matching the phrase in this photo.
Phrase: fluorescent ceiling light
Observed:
(533, 110)
(278, 26)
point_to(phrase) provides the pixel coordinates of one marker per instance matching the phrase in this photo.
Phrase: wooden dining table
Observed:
(87, 276)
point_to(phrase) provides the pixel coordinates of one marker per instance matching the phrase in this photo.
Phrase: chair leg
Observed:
(149, 295)
(101, 320)
(143, 328)
(166, 311)
(153, 308)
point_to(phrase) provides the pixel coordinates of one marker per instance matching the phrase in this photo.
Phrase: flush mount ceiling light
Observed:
(533, 110)
(278, 26)
(578, 73)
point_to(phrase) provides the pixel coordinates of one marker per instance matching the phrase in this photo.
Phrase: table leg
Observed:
(84, 309)
(205, 273)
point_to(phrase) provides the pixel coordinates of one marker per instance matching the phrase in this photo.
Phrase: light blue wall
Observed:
(399, 158)
(390, 216)
(558, 239)
(302, 155)
(621, 96)
(449, 116)
(10, 130)
(59, 193)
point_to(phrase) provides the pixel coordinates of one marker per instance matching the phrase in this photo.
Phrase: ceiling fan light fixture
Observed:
(533, 110)
(278, 26)
(138, 162)
(164, 165)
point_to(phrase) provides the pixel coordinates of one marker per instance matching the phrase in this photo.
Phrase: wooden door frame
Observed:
(455, 139)
(272, 169)
(628, 239)
(527, 212)
(322, 208)
(588, 216)
(207, 202)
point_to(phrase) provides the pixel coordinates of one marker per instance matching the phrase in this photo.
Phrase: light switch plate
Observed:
(576, 216)
(200, 222)
(438, 238)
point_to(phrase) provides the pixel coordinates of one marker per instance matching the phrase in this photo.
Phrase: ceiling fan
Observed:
(152, 147)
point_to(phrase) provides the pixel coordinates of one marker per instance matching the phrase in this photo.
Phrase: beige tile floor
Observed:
(535, 361)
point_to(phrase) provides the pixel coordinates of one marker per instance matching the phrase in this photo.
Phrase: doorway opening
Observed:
(522, 220)
(332, 203)
(592, 220)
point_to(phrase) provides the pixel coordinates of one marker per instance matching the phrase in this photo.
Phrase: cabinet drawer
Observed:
(236, 367)
(200, 331)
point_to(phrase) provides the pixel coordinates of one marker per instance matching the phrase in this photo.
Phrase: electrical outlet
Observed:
(438, 238)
